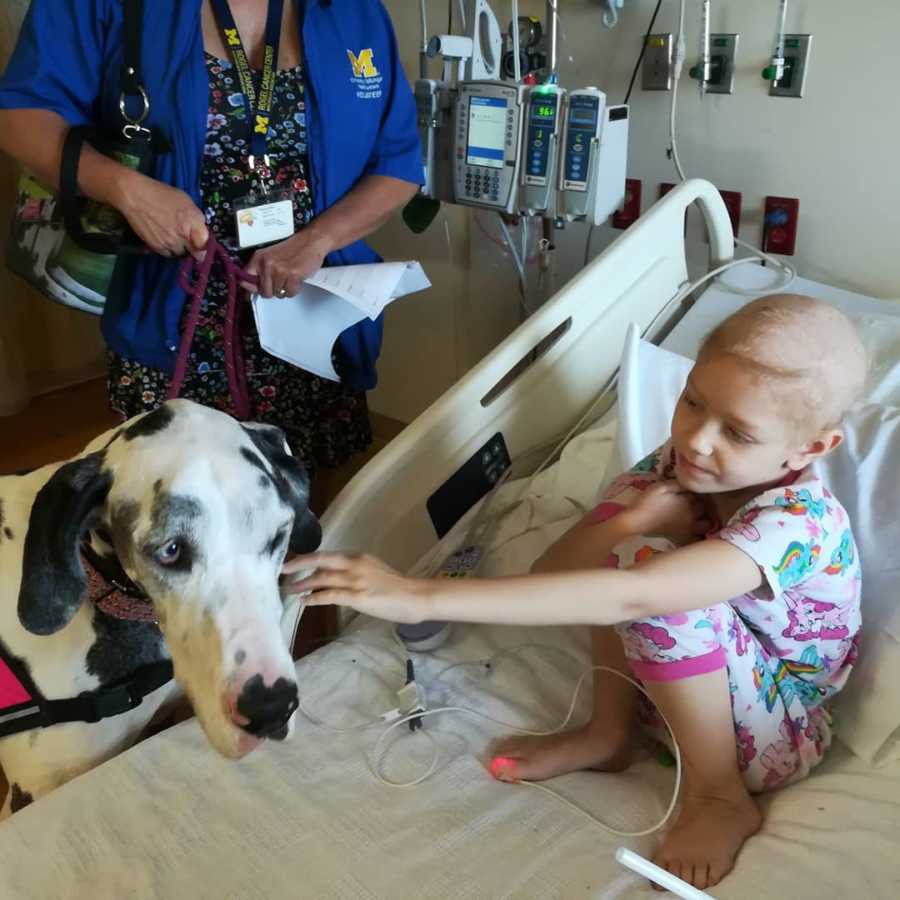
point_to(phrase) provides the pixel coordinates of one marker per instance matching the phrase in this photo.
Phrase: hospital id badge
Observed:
(264, 218)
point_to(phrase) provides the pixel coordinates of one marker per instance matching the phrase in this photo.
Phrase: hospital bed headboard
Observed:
(533, 387)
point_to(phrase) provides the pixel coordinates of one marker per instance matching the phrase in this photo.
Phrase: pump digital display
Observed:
(585, 117)
(487, 132)
(541, 127)
(542, 110)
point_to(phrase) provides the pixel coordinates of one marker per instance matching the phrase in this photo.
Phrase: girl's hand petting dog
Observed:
(363, 583)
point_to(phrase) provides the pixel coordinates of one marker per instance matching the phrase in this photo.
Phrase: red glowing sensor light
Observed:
(503, 765)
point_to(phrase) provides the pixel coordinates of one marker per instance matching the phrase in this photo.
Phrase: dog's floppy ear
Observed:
(291, 482)
(53, 579)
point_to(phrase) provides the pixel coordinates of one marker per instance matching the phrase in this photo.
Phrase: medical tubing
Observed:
(520, 267)
(610, 15)
(423, 49)
(778, 58)
(517, 67)
(676, 77)
(704, 47)
(789, 273)
(378, 753)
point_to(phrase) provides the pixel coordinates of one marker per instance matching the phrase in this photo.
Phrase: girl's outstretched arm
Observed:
(692, 577)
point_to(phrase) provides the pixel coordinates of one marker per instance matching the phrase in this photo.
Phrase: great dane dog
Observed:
(193, 513)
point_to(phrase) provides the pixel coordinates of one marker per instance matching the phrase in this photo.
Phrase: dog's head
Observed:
(200, 511)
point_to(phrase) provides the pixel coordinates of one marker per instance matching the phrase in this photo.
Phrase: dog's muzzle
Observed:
(266, 710)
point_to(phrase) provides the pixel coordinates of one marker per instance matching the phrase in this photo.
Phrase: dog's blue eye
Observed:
(169, 554)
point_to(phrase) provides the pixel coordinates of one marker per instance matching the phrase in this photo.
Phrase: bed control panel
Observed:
(468, 484)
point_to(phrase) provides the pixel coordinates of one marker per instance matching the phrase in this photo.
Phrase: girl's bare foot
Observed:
(529, 758)
(702, 846)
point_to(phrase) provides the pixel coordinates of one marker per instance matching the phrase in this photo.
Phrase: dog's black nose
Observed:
(268, 708)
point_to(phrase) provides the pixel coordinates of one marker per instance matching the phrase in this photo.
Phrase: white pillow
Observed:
(651, 380)
(863, 474)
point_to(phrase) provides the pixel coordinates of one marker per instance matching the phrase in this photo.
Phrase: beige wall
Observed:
(42, 345)
(836, 150)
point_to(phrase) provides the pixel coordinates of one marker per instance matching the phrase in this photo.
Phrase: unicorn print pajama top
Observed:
(788, 646)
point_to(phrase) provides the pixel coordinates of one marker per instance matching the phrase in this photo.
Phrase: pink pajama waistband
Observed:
(679, 668)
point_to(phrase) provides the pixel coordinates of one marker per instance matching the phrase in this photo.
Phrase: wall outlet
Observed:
(780, 225)
(796, 62)
(656, 73)
(631, 208)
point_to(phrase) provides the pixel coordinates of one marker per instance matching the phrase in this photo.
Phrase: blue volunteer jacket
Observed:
(360, 111)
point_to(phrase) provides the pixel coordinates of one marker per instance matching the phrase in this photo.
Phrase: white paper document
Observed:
(302, 329)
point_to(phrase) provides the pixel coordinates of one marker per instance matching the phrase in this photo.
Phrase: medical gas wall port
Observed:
(723, 49)
(796, 62)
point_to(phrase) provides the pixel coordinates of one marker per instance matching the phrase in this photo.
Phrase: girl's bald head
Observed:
(805, 343)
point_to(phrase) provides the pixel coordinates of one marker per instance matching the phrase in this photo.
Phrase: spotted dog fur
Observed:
(197, 510)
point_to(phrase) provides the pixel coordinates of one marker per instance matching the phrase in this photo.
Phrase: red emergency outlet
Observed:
(780, 225)
(732, 200)
(631, 209)
(664, 188)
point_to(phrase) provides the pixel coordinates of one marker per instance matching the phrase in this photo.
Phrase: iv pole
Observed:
(548, 224)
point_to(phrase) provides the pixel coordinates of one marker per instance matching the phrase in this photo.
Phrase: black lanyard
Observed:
(259, 108)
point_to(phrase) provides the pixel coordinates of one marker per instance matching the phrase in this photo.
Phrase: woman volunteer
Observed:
(260, 102)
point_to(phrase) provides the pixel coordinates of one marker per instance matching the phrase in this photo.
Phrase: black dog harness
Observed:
(23, 707)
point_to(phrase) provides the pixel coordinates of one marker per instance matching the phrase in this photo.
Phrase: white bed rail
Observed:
(530, 397)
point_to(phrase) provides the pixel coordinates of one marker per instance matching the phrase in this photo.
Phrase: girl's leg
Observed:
(740, 728)
(717, 813)
(603, 743)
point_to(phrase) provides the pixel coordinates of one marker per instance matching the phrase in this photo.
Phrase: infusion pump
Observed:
(514, 148)
(595, 151)
(540, 149)
(487, 141)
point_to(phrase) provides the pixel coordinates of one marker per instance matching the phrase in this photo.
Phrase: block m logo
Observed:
(363, 64)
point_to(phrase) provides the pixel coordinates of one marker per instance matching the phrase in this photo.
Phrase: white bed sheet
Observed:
(171, 819)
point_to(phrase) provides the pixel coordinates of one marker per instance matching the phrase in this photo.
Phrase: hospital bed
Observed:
(308, 818)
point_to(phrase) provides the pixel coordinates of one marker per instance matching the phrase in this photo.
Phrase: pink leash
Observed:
(193, 276)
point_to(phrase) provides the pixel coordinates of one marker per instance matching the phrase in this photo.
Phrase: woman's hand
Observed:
(164, 218)
(282, 267)
(666, 510)
(362, 583)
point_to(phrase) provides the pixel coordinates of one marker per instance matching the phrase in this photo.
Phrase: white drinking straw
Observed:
(663, 878)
